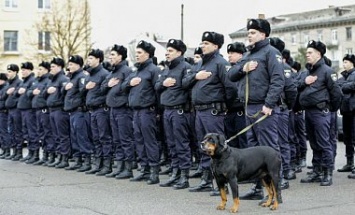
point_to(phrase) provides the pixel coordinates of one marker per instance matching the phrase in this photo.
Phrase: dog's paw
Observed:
(274, 207)
(221, 207)
(233, 209)
(266, 204)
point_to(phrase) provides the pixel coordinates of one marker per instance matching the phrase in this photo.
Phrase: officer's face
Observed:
(55, 69)
(141, 55)
(11, 74)
(115, 58)
(41, 71)
(348, 65)
(234, 57)
(197, 58)
(208, 47)
(312, 56)
(73, 67)
(255, 36)
(171, 54)
(93, 61)
(25, 72)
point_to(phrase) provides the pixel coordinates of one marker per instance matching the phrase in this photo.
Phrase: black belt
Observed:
(174, 107)
(55, 108)
(93, 108)
(3, 111)
(78, 109)
(204, 107)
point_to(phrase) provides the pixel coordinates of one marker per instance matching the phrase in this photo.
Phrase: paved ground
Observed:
(28, 189)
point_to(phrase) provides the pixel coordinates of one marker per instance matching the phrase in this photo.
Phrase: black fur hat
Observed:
(97, 53)
(198, 50)
(13, 67)
(318, 45)
(277, 43)
(58, 61)
(147, 47)
(236, 47)
(327, 61)
(350, 57)
(76, 59)
(261, 25)
(213, 37)
(177, 44)
(296, 65)
(3, 76)
(45, 64)
(27, 65)
(121, 50)
(286, 54)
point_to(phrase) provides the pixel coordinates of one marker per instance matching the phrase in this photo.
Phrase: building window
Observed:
(293, 39)
(306, 38)
(320, 35)
(349, 51)
(44, 39)
(348, 33)
(334, 35)
(10, 41)
(11, 4)
(44, 4)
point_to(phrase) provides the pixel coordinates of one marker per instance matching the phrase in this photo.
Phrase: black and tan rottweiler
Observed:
(230, 165)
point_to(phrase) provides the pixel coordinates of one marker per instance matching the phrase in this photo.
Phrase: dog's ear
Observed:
(222, 139)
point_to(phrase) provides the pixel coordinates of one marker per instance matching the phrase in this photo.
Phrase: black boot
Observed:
(205, 184)
(327, 178)
(352, 175)
(64, 163)
(97, 166)
(34, 158)
(18, 155)
(144, 174)
(183, 181)
(303, 162)
(10, 156)
(43, 160)
(127, 171)
(78, 163)
(197, 173)
(284, 184)
(119, 168)
(107, 167)
(315, 176)
(216, 192)
(56, 162)
(86, 166)
(51, 159)
(349, 166)
(289, 174)
(175, 176)
(255, 193)
(29, 156)
(154, 175)
(7, 152)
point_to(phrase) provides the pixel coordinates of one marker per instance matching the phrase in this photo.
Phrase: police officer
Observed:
(58, 117)
(4, 133)
(263, 66)
(347, 110)
(211, 89)
(15, 120)
(74, 103)
(121, 115)
(175, 100)
(319, 95)
(142, 98)
(99, 113)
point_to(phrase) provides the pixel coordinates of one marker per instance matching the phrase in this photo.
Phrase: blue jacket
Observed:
(39, 101)
(11, 100)
(75, 96)
(96, 96)
(58, 81)
(3, 95)
(347, 84)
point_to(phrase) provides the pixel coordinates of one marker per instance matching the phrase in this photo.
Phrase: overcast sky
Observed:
(119, 21)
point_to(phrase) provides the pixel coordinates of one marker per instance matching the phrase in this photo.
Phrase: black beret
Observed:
(27, 65)
(121, 50)
(76, 59)
(350, 57)
(236, 47)
(296, 65)
(261, 25)
(318, 45)
(198, 50)
(327, 61)
(147, 47)
(277, 43)
(3, 76)
(45, 65)
(213, 37)
(13, 67)
(58, 61)
(177, 44)
(97, 53)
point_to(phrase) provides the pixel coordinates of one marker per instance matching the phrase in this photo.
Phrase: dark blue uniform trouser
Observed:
(80, 134)
(4, 130)
(29, 123)
(292, 138)
(208, 123)
(61, 131)
(300, 130)
(349, 133)
(284, 144)
(177, 132)
(233, 123)
(15, 128)
(121, 120)
(44, 130)
(101, 133)
(318, 130)
(144, 125)
(334, 133)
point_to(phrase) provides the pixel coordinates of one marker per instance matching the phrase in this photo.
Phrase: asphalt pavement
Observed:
(28, 189)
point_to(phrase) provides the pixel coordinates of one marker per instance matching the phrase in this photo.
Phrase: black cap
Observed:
(261, 25)
(27, 65)
(3, 76)
(147, 47)
(236, 47)
(286, 54)
(350, 57)
(76, 59)
(97, 53)
(277, 43)
(58, 61)
(198, 50)
(296, 65)
(177, 44)
(121, 50)
(13, 67)
(327, 61)
(318, 45)
(213, 37)
(45, 64)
